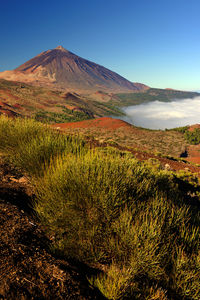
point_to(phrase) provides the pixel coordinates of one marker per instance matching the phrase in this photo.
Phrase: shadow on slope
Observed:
(27, 269)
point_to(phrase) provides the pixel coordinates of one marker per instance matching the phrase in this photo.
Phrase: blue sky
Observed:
(155, 42)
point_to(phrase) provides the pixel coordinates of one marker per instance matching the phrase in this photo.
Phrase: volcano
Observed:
(63, 69)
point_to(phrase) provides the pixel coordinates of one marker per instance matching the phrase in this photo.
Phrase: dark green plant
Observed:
(193, 137)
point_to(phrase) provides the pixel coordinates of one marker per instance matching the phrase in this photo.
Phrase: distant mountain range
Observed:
(61, 68)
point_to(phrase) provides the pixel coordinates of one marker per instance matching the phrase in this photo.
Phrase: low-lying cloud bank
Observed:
(161, 115)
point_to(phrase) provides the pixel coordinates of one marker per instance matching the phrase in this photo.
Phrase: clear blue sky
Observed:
(156, 42)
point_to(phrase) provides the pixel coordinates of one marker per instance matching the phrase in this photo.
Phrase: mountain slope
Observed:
(63, 69)
(49, 105)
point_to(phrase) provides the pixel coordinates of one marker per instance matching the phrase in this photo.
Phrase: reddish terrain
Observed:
(194, 154)
(9, 110)
(193, 150)
(105, 122)
(114, 124)
(168, 163)
(193, 127)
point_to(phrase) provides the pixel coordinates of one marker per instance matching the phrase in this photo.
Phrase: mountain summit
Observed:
(61, 48)
(62, 68)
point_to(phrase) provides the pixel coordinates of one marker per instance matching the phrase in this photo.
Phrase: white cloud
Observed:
(161, 115)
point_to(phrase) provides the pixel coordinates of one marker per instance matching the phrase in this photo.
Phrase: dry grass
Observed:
(166, 142)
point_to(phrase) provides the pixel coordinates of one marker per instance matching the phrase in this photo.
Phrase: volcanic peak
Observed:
(63, 69)
(60, 48)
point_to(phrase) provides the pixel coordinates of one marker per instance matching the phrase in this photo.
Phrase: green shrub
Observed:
(91, 190)
(193, 137)
(179, 129)
(105, 207)
(146, 249)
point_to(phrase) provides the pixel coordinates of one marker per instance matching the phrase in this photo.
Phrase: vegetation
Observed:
(135, 222)
(192, 137)
(66, 116)
(169, 142)
(149, 95)
(179, 129)
(31, 146)
(50, 105)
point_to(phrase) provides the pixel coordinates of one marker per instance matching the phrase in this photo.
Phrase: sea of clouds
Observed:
(161, 115)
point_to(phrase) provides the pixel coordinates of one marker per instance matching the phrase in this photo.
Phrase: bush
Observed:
(91, 190)
(145, 249)
(193, 137)
(107, 208)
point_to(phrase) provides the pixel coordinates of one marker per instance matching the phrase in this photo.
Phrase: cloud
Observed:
(161, 115)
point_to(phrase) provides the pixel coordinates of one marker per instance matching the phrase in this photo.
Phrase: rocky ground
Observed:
(27, 268)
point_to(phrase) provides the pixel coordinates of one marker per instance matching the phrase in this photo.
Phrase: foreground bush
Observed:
(112, 210)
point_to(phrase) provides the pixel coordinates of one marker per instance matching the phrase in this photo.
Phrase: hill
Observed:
(21, 99)
(165, 146)
(61, 68)
(115, 224)
(151, 94)
(56, 106)
(121, 134)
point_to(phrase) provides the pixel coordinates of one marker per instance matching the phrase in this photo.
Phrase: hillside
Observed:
(17, 99)
(20, 99)
(151, 94)
(85, 220)
(167, 146)
(61, 68)
(117, 132)
(56, 106)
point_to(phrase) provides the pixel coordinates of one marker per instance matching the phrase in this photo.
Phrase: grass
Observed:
(170, 143)
(136, 223)
(30, 145)
(114, 211)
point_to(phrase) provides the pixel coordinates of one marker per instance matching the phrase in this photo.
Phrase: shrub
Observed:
(146, 249)
(106, 207)
(193, 137)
